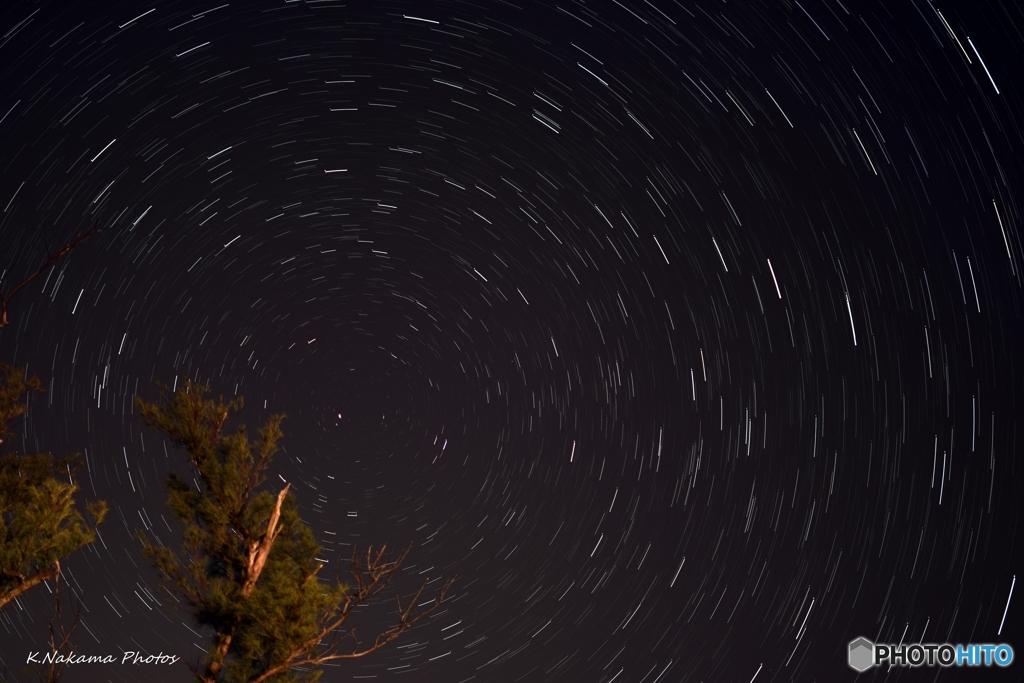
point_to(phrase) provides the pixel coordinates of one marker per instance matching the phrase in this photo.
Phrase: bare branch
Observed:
(56, 625)
(372, 575)
(50, 260)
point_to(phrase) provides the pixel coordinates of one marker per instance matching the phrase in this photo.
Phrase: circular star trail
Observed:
(685, 333)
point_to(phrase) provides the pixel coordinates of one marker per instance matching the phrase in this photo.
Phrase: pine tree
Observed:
(248, 564)
(39, 521)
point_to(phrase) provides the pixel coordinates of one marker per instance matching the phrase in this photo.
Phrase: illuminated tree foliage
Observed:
(39, 521)
(247, 564)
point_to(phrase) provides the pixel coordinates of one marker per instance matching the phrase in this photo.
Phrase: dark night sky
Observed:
(686, 333)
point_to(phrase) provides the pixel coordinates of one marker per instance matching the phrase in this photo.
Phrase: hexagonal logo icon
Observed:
(861, 654)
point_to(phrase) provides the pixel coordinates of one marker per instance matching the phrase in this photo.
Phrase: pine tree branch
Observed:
(28, 584)
(371, 578)
(56, 625)
(267, 608)
(213, 669)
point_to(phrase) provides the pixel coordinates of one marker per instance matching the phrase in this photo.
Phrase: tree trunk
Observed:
(259, 551)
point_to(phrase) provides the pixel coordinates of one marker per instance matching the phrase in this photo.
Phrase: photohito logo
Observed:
(863, 654)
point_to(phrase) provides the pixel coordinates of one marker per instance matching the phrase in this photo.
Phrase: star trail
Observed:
(686, 333)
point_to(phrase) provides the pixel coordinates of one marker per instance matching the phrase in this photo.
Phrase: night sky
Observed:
(685, 333)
